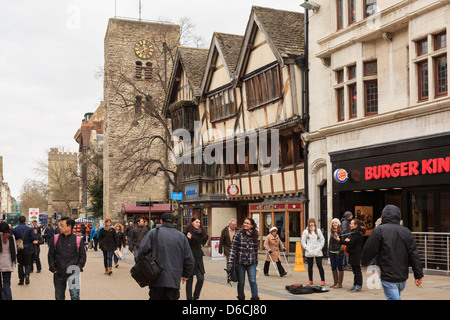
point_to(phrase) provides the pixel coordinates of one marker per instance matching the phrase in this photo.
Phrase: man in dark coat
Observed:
(175, 257)
(354, 243)
(345, 223)
(226, 238)
(394, 247)
(24, 256)
(66, 258)
(136, 235)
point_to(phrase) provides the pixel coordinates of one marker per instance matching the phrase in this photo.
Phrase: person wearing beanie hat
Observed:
(175, 256)
(336, 254)
(273, 245)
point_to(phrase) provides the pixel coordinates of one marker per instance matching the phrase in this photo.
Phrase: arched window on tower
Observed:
(138, 70)
(148, 71)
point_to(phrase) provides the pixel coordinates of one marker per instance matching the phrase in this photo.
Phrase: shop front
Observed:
(131, 212)
(287, 217)
(413, 174)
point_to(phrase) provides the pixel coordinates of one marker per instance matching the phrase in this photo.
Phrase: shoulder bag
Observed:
(19, 242)
(147, 269)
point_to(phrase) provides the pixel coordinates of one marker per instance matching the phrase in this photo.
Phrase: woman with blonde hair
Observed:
(121, 238)
(312, 242)
(336, 255)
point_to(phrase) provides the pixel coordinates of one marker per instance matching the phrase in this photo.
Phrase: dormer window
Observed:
(263, 87)
(222, 104)
(184, 114)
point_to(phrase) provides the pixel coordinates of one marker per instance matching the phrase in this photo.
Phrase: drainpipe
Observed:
(303, 62)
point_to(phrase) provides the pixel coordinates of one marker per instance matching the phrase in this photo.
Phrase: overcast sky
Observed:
(50, 51)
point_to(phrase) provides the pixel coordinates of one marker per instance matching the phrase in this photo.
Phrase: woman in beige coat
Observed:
(273, 245)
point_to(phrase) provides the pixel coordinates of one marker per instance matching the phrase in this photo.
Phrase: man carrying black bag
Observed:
(175, 257)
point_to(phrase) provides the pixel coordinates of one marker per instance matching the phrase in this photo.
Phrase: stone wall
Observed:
(125, 128)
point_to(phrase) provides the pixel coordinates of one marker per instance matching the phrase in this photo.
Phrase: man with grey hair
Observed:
(226, 238)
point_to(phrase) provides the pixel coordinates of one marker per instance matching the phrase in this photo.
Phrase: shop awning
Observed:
(130, 208)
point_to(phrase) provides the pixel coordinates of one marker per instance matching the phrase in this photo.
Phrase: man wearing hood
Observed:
(394, 247)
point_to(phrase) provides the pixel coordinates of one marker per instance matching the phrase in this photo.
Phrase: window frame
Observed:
(436, 76)
(268, 79)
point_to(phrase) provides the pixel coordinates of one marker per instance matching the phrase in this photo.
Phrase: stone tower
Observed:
(137, 67)
(63, 184)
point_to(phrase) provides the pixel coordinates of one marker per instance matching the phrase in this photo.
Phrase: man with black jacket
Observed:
(25, 233)
(394, 247)
(66, 257)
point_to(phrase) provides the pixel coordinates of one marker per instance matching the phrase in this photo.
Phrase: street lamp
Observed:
(310, 5)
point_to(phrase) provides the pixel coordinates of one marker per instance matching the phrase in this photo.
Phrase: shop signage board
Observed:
(421, 167)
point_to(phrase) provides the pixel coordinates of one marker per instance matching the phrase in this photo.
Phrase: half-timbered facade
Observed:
(250, 120)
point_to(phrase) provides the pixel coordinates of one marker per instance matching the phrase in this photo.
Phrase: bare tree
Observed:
(33, 195)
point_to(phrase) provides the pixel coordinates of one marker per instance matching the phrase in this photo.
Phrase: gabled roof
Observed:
(192, 61)
(284, 31)
(228, 47)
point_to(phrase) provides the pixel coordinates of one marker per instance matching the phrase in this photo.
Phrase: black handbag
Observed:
(147, 269)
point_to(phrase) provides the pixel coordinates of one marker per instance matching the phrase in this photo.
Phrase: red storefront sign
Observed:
(408, 168)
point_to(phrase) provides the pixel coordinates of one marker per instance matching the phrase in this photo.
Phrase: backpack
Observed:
(55, 239)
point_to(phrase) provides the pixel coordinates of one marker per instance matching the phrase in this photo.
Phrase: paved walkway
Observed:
(120, 286)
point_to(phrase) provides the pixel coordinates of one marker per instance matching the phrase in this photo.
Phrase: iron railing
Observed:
(434, 250)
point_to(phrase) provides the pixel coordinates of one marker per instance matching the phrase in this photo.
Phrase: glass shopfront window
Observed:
(201, 213)
(430, 211)
(288, 220)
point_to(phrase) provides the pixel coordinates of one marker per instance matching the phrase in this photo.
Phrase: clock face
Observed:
(143, 49)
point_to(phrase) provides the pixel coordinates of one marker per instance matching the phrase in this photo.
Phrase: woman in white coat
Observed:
(313, 242)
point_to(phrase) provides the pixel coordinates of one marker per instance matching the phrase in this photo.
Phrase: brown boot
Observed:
(340, 279)
(109, 271)
(106, 271)
(335, 278)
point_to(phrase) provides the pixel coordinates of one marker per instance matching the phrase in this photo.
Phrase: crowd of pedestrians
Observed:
(390, 245)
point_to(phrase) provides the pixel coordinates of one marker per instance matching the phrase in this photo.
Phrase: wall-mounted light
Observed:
(309, 5)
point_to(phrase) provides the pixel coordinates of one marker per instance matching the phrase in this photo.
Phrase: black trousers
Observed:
(357, 275)
(157, 293)
(310, 261)
(198, 285)
(279, 267)
(24, 261)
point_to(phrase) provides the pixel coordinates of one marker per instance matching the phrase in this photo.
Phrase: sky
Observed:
(50, 53)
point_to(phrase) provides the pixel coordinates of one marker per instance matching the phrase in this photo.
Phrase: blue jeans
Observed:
(251, 271)
(5, 285)
(107, 258)
(336, 262)
(392, 290)
(60, 283)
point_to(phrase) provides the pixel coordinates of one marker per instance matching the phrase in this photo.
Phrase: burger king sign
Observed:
(340, 175)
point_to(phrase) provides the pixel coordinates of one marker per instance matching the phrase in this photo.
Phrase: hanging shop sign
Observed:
(233, 190)
(340, 175)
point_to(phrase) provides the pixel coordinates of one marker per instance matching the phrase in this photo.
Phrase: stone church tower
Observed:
(137, 66)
